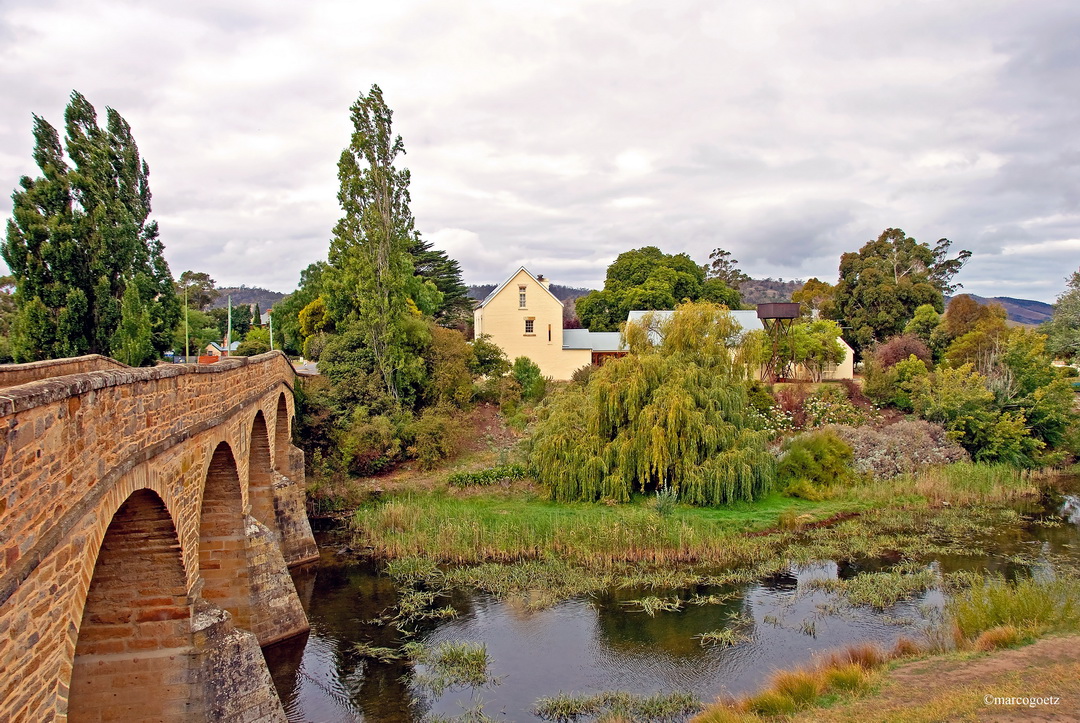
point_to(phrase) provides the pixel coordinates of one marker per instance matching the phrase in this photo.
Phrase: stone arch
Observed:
(282, 436)
(133, 656)
(223, 560)
(260, 474)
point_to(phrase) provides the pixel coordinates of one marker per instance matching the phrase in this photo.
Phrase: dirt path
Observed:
(960, 689)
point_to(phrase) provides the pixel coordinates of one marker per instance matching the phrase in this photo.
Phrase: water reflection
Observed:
(606, 643)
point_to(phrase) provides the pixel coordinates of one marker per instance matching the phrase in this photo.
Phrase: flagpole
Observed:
(228, 333)
(187, 338)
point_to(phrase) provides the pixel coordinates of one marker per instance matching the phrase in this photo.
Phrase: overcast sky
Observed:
(558, 134)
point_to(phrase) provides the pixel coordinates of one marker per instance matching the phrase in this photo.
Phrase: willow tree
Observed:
(671, 415)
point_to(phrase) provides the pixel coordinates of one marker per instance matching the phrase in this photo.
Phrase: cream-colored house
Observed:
(524, 318)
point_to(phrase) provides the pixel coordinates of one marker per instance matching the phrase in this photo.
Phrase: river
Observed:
(604, 642)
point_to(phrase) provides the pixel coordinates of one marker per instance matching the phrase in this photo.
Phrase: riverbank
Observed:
(968, 674)
(964, 687)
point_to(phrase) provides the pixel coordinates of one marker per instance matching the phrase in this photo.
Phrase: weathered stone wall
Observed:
(15, 374)
(73, 451)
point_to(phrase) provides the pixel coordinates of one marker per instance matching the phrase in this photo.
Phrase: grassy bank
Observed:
(513, 542)
(506, 525)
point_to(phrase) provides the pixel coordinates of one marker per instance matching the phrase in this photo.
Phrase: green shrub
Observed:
(529, 377)
(1029, 604)
(815, 460)
(581, 375)
(370, 444)
(759, 397)
(488, 359)
(489, 476)
(435, 435)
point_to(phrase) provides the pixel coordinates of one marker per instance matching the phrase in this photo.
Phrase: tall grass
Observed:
(1031, 606)
(847, 671)
(967, 483)
(505, 529)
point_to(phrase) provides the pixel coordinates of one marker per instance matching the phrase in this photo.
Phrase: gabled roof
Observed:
(501, 286)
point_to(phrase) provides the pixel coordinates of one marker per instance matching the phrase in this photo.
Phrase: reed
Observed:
(1030, 605)
(726, 638)
(969, 483)
(618, 705)
(881, 590)
(449, 665)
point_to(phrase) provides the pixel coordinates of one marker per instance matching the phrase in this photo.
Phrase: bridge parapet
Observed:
(12, 375)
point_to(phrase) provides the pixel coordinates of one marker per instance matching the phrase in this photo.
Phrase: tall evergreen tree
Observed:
(131, 343)
(80, 235)
(444, 272)
(370, 267)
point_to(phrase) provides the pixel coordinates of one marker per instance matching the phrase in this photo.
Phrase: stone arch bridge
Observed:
(147, 521)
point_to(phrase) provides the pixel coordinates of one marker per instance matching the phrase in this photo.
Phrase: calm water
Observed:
(600, 643)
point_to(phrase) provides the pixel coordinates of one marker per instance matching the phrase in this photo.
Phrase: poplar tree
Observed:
(80, 236)
(369, 263)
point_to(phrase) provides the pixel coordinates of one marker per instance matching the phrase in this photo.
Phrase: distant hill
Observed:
(768, 291)
(562, 293)
(247, 295)
(1022, 311)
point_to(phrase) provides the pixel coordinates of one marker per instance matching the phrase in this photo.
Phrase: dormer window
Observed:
(521, 297)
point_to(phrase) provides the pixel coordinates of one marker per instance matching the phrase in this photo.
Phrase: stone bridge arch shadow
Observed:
(240, 558)
(136, 622)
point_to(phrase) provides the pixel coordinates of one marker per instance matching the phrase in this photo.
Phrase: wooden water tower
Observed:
(777, 320)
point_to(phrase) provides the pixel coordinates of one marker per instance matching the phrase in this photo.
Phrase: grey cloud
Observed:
(787, 135)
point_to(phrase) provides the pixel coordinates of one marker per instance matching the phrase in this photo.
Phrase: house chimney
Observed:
(546, 283)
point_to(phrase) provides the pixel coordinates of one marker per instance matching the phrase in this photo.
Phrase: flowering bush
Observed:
(899, 448)
(796, 408)
(830, 405)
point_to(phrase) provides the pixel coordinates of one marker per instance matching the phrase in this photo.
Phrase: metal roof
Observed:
(594, 340)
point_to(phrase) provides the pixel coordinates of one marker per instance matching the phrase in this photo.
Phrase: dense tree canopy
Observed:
(432, 264)
(673, 414)
(80, 238)
(648, 279)
(815, 297)
(286, 313)
(198, 288)
(1063, 328)
(883, 284)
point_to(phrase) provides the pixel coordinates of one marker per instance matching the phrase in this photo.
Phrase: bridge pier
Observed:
(276, 610)
(233, 682)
